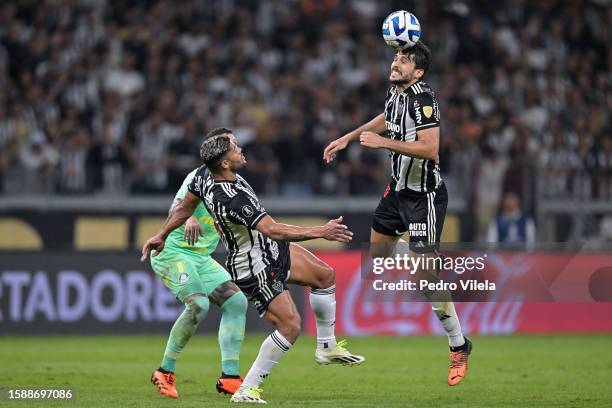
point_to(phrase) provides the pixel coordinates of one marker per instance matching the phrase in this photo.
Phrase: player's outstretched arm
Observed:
(179, 213)
(376, 125)
(334, 230)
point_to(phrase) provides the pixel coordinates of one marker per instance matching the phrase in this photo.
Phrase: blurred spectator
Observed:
(489, 188)
(263, 166)
(107, 162)
(184, 154)
(72, 162)
(511, 226)
(37, 160)
(144, 81)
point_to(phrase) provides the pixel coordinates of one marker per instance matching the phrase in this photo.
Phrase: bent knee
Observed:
(197, 308)
(236, 304)
(326, 278)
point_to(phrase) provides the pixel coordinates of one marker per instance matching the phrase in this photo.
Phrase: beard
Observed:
(403, 80)
(236, 165)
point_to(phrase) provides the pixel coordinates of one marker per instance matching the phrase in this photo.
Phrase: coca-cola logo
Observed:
(393, 315)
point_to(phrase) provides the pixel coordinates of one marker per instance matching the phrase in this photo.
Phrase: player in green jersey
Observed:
(187, 269)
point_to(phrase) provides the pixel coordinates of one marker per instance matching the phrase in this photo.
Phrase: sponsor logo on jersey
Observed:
(417, 112)
(427, 111)
(393, 127)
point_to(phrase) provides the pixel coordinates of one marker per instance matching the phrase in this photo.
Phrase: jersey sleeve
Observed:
(243, 209)
(424, 111)
(196, 185)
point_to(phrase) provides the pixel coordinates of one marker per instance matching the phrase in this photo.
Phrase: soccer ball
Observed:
(401, 29)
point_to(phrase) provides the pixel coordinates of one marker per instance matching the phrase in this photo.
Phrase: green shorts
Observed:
(186, 273)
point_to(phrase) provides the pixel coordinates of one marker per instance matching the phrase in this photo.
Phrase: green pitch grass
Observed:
(524, 371)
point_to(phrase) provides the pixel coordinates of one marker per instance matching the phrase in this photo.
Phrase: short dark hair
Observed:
(218, 131)
(421, 55)
(214, 148)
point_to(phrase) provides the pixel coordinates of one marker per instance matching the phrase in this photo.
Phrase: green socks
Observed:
(231, 332)
(185, 326)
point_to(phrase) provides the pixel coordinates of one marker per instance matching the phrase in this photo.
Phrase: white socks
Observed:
(323, 304)
(448, 317)
(270, 353)
(444, 310)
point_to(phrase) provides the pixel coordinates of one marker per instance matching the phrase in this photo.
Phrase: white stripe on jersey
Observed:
(227, 190)
(431, 218)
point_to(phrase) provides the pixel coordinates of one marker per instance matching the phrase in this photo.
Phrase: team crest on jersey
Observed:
(427, 111)
(247, 211)
(278, 286)
(183, 278)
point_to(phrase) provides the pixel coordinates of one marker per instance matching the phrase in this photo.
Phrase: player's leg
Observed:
(282, 313)
(387, 226)
(181, 277)
(308, 270)
(382, 245)
(430, 211)
(233, 304)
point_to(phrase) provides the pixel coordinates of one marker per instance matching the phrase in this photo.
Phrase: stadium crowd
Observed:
(115, 96)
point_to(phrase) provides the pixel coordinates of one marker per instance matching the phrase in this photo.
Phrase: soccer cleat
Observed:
(228, 384)
(248, 395)
(459, 364)
(165, 383)
(338, 355)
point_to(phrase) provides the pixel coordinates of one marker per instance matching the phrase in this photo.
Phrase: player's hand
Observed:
(372, 140)
(156, 244)
(193, 231)
(334, 230)
(329, 154)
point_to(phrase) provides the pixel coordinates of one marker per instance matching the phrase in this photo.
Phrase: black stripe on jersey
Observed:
(395, 165)
(408, 171)
(402, 98)
(431, 181)
(423, 171)
(249, 253)
(233, 244)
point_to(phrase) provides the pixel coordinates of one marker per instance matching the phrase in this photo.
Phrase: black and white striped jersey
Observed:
(236, 211)
(406, 113)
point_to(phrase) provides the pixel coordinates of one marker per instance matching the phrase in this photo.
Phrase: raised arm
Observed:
(179, 213)
(426, 147)
(423, 109)
(334, 230)
(376, 125)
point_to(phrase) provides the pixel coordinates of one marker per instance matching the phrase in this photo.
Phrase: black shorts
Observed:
(421, 214)
(269, 283)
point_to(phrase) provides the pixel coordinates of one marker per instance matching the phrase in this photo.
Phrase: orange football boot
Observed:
(459, 364)
(228, 384)
(165, 383)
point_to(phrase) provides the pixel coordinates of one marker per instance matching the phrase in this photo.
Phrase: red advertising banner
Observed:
(355, 316)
